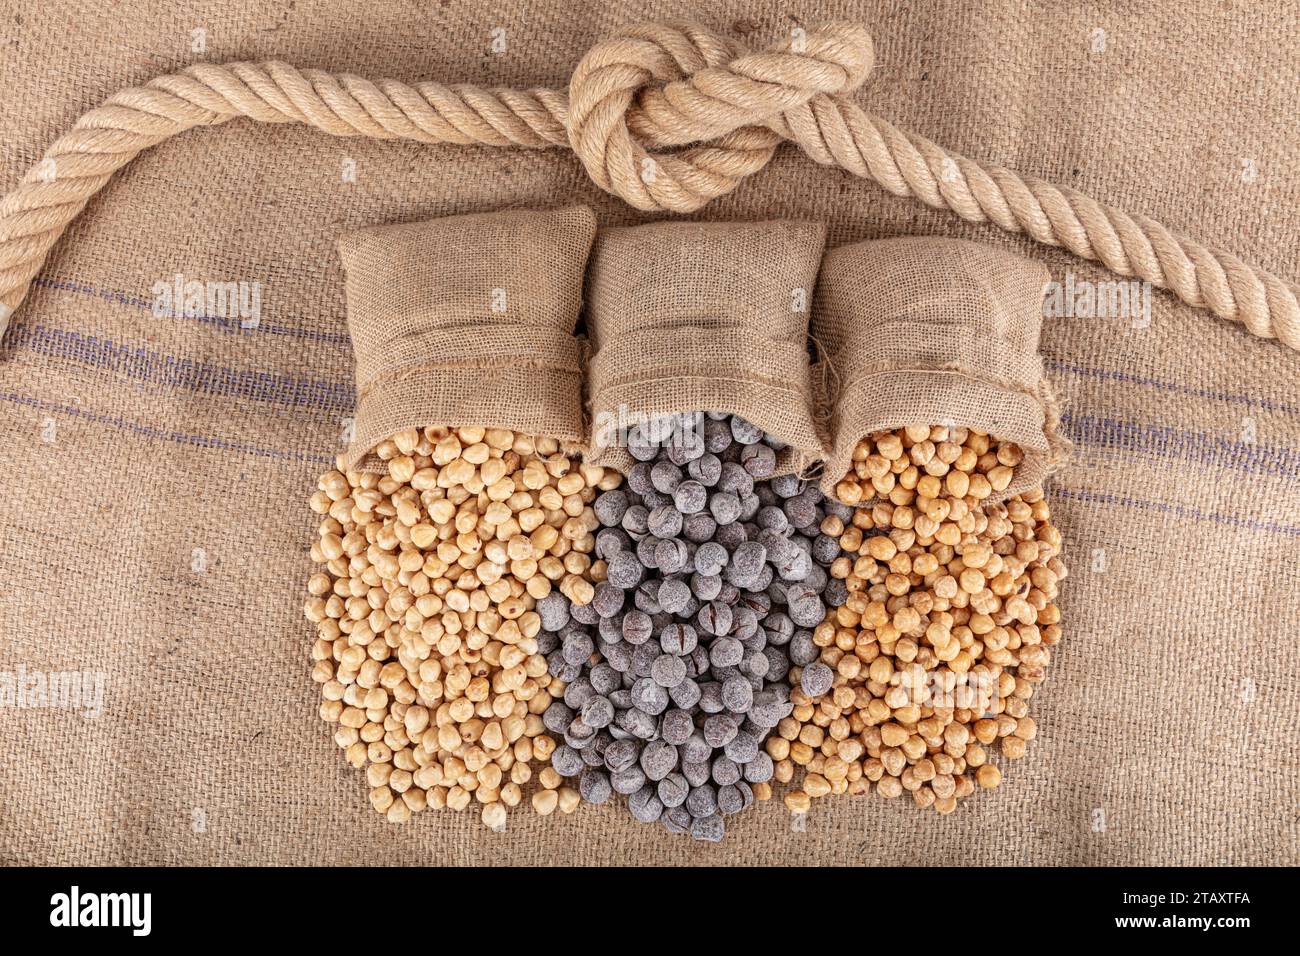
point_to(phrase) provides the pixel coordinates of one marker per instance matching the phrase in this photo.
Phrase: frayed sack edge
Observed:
(793, 459)
(1042, 458)
(552, 417)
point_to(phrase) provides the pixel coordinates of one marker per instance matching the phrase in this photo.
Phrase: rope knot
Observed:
(666, 116)
(656, 86)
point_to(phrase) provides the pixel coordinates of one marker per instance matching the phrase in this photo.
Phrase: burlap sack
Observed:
(920, 331)
(153, 525)
(468, 320)
(691, 317)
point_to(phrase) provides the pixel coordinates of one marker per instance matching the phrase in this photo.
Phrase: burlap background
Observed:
(1169, 730)
(468, 320)
(921, 329)
(686, 317)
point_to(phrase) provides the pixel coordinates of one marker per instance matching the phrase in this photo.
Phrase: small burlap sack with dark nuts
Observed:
(920, 331)
(686, 317)
(468, 320)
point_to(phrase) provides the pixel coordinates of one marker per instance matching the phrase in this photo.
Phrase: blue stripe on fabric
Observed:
(170, 371)
(1127, 378)
(79, 287)
(1254, 458)
(222, 323)
(205, 378)
(1175, 510)
(207, 441)
(147, 431)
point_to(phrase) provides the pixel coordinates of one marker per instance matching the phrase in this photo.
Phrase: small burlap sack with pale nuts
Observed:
(918, 331)
(687, 317)
(468, 320)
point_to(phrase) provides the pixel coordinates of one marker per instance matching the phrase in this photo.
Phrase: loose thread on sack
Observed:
(826, 389)
(809, 469)
(584, 359)
(1059, 445)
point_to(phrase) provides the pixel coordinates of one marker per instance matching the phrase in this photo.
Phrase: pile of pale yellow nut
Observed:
(947, 628)
(426, 650)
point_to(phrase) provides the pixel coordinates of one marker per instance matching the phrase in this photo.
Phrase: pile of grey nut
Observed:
(679, 667)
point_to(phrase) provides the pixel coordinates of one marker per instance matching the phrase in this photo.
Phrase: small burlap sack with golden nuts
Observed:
(687, 317)
(468, 320)
(931, 331)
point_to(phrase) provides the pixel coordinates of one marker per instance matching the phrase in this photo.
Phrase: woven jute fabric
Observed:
(154, 523)
(468, 320)
(689, 317)
(922, 330)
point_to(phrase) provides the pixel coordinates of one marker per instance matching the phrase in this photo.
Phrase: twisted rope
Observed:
(665, 116)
